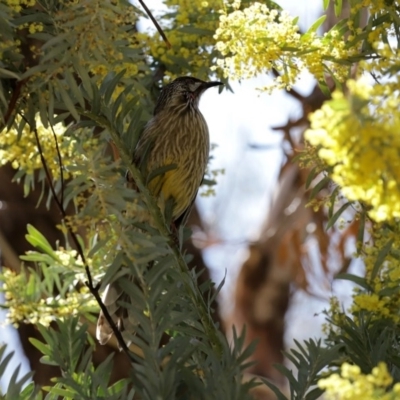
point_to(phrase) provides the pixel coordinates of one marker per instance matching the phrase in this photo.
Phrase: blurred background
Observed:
(276, 257)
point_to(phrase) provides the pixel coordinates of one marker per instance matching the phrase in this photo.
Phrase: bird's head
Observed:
(183, 91)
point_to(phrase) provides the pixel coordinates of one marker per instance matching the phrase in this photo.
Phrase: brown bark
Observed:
(277, 259)
(15, 213)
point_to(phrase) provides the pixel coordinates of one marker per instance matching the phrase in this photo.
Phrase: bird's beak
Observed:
(207, 85)
(204, 86)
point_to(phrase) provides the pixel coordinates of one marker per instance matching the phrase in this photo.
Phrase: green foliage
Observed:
(85, 82)
(189, 368)
(50, 290)
(17, 387)
(362, 341)
(310, 360)
(367, 341)
(70, 347)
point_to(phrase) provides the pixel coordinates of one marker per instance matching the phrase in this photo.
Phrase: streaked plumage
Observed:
(177, 135)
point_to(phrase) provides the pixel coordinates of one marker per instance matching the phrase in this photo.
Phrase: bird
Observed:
(172, 155)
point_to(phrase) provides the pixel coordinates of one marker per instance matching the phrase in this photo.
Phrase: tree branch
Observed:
(94, 290)
(158, 27)
(13, 100)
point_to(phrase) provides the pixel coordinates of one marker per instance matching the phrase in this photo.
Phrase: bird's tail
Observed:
(112, 298)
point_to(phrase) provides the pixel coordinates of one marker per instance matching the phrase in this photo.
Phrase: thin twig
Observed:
(94, 290)
(158, 27)
(13, 100)
(60, 165)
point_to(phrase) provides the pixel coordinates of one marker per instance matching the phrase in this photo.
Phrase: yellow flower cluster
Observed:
(47, 310)
(383, 301)
(35, 27)
(189, 29)
(385, 10)
(351, 384)
(22, 152)
(17, 5)
(257, 39)
(362, 145)
(24, 302)
(251, 42)
(371, 302)
(386, 61)
(101, 39)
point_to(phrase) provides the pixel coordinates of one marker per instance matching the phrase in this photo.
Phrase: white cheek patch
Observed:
(194, 86)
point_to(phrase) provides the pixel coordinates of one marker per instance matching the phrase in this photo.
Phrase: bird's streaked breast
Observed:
(181, 139)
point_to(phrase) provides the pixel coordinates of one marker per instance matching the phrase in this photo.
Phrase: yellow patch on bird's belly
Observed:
(173, 185)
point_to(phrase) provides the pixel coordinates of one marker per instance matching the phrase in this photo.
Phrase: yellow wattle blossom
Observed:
(380, 300)
(98, 40)
(256, 39)
(35, 27)
(387, 60)
(386, 10)
(370, 302)
(251, 42)
(351, 384)
(383, 299)
(17, 5)
(28, 300)
(22, 152)
(189, 30)
(362, 145)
